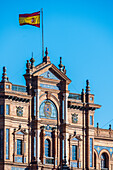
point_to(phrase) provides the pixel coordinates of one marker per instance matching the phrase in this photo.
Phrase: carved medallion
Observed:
(74, 118)
(19, 111)
(47, 109)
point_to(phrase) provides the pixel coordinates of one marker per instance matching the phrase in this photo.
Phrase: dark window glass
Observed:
(7, 143)
(19, 147)
(7, 109)
(47, 148)
(1, 109)
(91, 120)
(74, 152)
(104, 160)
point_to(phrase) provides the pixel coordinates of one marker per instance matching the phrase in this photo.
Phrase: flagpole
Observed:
(42, 36)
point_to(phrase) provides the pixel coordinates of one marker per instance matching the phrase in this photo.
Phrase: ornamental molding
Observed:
(19, 111)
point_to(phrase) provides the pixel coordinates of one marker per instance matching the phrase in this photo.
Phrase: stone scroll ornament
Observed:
(74, 118)
(19, 111)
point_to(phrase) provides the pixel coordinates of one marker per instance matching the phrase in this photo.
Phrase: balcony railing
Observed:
(18, 88)
(74, 96)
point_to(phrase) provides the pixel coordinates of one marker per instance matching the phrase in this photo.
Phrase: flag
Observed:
(30, 19)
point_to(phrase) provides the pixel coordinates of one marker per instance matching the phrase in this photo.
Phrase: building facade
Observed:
(44, 126)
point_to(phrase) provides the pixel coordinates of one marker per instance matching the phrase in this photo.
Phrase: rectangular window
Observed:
(62, 148)
(74, 152)
(91, 120)
(7, 143)
(1, 109)
(7, 109)
(1, 143)
(34, 146)
(19, 147)
(34, 105)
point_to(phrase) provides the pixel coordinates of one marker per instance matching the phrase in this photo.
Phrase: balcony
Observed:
(19, 88)
(49, 160)
(74, 96)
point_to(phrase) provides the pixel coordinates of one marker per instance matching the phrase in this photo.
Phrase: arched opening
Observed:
(47, 148)
(95, 160)
(104, 161)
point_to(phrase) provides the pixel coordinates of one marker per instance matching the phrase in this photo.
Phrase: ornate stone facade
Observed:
(44, 126)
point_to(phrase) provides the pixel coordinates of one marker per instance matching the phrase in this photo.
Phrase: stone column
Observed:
(37, 103)
(55, 147)
(37, 127)
(66, 121)
(65, 107)
(42, 145)
(66, 147)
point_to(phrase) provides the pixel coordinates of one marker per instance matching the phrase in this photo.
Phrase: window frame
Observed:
(19, 147)
(47, 147)
(74, 152)
(8, 109)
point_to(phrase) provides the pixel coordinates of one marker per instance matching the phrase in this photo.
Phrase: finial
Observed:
(28, 66)
(46, 59)
(20, 126)
(82, 96)
(82, 91)
(32, 60)
(97, 125)
(110, 127)
(61, 65)
(60, 60)
(64, 70)
(74, 133)
(4, 75)
(46, 52)
(87, 87)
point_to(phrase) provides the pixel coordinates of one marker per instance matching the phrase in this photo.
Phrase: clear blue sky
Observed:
(81, 31)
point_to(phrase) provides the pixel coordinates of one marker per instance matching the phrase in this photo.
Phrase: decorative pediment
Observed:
(50, 71)
(20, 133)
(75, 139)
(49, 75)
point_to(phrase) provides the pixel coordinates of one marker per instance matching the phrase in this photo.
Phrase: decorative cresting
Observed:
(48, 110)
(19, 111)
(99, 148)
(49, 75)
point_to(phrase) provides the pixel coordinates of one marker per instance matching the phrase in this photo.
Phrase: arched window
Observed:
(104, 161)
(47, 148)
